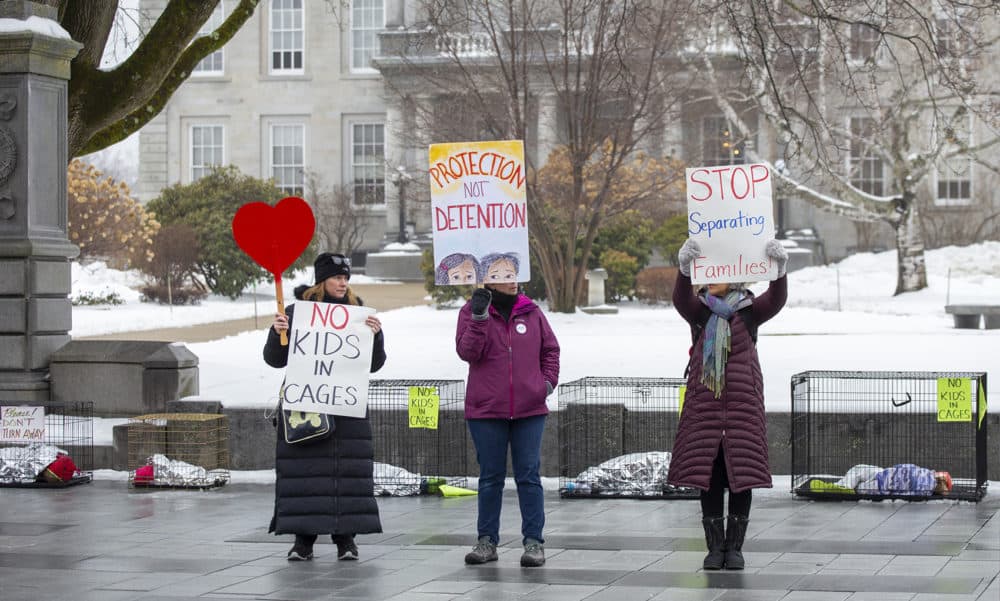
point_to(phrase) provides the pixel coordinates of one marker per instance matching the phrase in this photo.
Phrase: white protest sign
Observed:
(731, 216)
(22, 424)
(329, 358)
(479, 212)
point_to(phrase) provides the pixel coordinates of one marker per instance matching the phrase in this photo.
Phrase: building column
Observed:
(548, 127)
(395, 157)
(672, 138)
(35, 253)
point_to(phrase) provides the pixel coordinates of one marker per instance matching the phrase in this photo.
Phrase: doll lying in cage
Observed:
(633, 474)
(902, 479)
(38, 463)
(161, 471)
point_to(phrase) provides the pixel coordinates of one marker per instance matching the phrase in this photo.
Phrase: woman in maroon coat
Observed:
(722, 436)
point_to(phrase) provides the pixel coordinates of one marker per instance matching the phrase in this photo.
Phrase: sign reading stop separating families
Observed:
(329, 357)
(479, 213)
(730, 215)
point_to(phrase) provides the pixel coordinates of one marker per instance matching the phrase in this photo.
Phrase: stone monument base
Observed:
(395, 262)
(600, 310)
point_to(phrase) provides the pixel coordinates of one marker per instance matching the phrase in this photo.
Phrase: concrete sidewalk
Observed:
(383, 297)
(102, 542)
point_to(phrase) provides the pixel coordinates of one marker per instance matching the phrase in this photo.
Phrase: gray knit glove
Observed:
(688, 252)
(778, 254)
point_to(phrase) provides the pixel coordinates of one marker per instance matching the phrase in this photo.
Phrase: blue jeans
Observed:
(524, 437)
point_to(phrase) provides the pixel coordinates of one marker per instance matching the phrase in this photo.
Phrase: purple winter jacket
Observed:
(511, 363)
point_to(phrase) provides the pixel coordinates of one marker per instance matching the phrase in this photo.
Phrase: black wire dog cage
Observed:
(616, 435)
(419, 433)
(889, 435)
(46, 446)
(178, 450)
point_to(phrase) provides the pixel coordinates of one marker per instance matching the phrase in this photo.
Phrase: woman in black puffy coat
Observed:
(326, 487)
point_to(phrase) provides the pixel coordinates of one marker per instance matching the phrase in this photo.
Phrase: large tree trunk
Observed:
(105, 107)
(911, 267)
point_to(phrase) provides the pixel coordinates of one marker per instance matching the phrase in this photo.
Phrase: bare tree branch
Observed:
(107, 106)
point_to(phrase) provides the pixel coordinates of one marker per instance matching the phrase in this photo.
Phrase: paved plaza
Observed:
(102, 542)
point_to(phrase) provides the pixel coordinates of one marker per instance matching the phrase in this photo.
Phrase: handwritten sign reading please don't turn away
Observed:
(22, 424)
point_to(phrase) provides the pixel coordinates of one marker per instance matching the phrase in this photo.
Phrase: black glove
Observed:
(480, 301)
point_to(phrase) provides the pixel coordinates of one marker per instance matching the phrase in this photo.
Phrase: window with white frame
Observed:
(287, 35)
(866, 168)
(865, 42)
(367, 19)
(720, 144)
(952, 36)
(288, 157)
(214, 63)
(954, 169)
(368, 163)
(207, 149)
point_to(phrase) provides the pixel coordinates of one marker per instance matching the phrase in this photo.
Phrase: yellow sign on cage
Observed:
(954, 399)
(425, 403)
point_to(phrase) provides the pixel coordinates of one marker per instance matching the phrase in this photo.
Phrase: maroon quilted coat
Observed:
(736, 419)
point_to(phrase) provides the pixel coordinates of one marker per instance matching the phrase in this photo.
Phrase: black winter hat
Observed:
(328, 265)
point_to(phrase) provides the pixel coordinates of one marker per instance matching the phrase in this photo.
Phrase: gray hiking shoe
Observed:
(483, 552)
(534, 554)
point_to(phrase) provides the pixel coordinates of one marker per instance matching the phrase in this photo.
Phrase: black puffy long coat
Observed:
(325, 487)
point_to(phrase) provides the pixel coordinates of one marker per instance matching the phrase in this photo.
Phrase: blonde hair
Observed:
(316, 293)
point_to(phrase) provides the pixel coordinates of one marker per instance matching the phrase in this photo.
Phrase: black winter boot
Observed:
(302, 550)
(715, 536)
(736, 530)
(347, 549)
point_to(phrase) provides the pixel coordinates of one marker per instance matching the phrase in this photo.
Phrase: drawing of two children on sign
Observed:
(479, 213)
(458, 269)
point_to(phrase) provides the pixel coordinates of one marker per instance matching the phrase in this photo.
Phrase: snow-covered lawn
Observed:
(95, 279)
(872, 331)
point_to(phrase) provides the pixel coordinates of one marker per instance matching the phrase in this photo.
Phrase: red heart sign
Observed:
(275, 236)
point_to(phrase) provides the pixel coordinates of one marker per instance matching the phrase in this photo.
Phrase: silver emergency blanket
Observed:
(394, 481)
(641, 474)
(171, 472)
(22, 465)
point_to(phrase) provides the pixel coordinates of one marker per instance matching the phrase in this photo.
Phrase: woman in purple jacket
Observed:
(513, 359)
(722, 437)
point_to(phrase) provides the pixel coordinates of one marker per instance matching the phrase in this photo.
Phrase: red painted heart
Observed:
(275, 236)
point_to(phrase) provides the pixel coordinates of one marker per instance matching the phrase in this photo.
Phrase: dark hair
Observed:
(452, 261)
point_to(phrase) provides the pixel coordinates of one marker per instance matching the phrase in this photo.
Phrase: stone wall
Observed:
(123, 378)
(595, 433)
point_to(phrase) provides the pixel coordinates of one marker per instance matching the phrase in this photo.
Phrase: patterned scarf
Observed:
(716, 346)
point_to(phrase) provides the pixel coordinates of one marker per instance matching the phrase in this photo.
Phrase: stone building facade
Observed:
(292, 94)
(320, 87)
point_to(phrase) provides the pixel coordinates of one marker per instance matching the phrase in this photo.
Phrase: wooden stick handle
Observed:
(280, 297)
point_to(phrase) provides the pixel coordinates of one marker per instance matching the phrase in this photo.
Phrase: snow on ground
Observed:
(96, 279)
(873, 331)
(867, 281)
